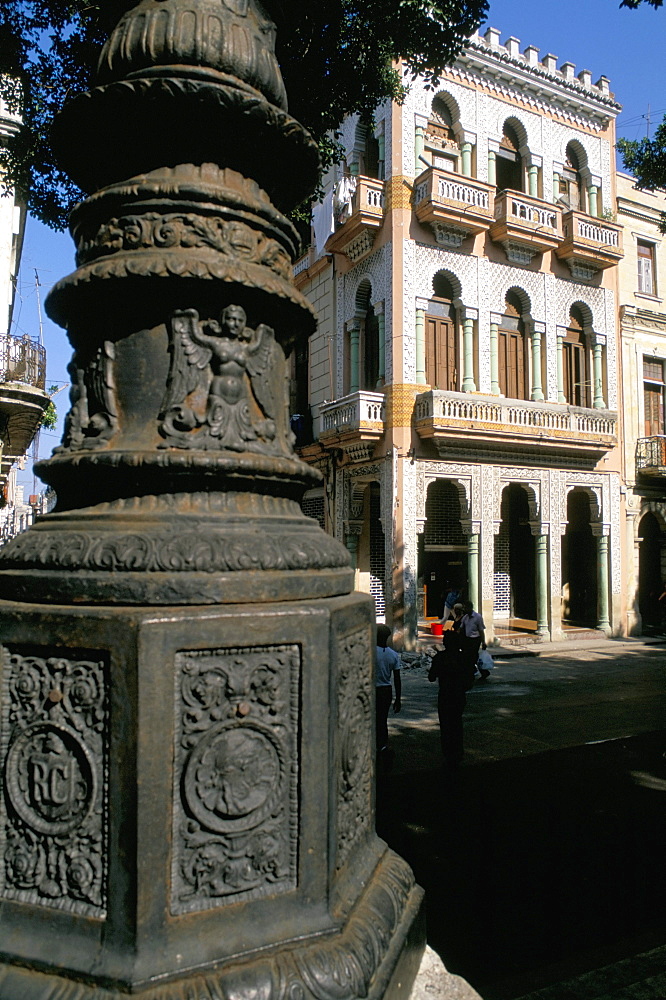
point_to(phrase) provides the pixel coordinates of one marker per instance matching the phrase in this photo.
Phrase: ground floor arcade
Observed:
(534, 549)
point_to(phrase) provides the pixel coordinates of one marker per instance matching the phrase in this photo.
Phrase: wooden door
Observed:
(511, 348)
(441, 353)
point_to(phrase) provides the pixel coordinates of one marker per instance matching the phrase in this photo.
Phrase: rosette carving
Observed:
(235, 825)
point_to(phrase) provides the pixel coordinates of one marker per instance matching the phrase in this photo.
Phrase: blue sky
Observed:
(626, 46)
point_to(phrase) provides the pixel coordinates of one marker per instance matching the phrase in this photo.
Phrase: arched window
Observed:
(441, 145)
(571, 194)
(512, 350)
(370, 335)
(575, 361)
(442, 337)
(509, 169)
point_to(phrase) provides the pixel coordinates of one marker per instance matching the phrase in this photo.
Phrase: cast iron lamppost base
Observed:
(186, 695)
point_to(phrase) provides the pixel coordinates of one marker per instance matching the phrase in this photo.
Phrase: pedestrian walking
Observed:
(473, 637)
(451, 597)
(455, 679)
(387, 674)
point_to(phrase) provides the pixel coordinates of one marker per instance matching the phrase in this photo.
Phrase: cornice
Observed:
(546, 89)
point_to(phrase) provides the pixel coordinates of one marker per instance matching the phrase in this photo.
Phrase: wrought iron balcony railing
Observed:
(651, 455)
(22, 360)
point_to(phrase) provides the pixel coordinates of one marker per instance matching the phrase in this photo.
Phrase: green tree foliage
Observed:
(337, 57)
(646, 158)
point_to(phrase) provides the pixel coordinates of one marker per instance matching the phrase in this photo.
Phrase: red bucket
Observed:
(436, 628)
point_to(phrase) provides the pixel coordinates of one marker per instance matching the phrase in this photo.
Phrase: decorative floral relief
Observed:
(354, 743)
(187, 232)
(54, 754)
(172, 552)
(236, 814)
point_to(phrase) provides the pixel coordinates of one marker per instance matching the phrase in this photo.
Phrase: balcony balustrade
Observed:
(356, 234)
(525, 226)
(456, 418)
(589, 244)
(22, 396)
(454, 206)
(651, 455)
(357, 419)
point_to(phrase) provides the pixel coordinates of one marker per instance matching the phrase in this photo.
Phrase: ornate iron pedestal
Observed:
(187, 692)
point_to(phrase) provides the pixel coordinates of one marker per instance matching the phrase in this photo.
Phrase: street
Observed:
(542, 856)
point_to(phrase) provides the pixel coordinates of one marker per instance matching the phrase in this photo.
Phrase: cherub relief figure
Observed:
(245, 370)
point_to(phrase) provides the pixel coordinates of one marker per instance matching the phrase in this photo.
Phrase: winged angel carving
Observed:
(245, 374)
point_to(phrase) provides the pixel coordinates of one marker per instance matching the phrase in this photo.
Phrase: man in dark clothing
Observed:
(455, 679)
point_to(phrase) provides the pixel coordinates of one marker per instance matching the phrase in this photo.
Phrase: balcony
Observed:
(22, 396)
(354, 423)
(355, 236)
(651, 456)
(458, 419)
(589, 245)
(455, 207)
(525, 226)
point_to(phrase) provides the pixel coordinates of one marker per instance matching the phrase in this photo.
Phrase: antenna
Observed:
(39, 308)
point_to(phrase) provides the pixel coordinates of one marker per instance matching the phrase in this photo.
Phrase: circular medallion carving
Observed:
(233, 779)
(50, 779)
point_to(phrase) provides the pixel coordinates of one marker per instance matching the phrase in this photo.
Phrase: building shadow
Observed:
(539, 868)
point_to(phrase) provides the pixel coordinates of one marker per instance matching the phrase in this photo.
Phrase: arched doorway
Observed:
(512, 350)
(442, 555)
(442, 369)
(509, 170)
(515, 572)
(579, 563)
(650, 573)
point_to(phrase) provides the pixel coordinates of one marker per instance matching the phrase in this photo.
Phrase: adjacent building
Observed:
(23, 398)
(461, 393)
(643, 345)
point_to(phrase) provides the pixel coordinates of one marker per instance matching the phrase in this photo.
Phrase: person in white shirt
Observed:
(387, 673)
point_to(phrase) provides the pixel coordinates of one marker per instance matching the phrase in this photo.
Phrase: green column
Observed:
(602, 583)
(597, 354)
(556, 185)
(592, 200)
(492, 167)
(419, 143)
(354, 337)
(469, 384)
(354, 168)
(381, 142)
(381, 324)
(473, 569)
(420, 347)
(494, 358)
(561, 398)
(533, 180)
(537, 388)
(542, 584)
(466, 150)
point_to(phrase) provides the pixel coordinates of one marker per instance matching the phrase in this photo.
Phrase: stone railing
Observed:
(651, 453)
(585, 227)
(451, 188)
(22, 360)
(369, 196)
(523, 208)
(360, 411)
(461, 409)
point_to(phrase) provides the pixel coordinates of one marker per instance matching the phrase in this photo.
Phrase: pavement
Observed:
(542, 855)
